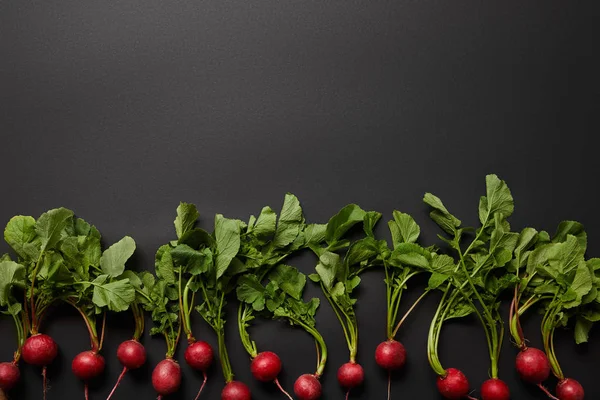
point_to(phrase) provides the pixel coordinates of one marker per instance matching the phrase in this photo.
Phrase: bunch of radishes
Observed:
(60, 260)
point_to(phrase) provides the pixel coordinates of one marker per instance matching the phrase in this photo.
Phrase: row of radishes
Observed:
(60, 260)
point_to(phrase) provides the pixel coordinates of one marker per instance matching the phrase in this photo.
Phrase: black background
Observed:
(121, 109)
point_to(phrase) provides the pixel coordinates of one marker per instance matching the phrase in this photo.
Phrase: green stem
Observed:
(322, 347)
(548, 327)
(138, 317)
(90, 323)
(489, 323)
(186, 319)
(19, 325)
(337, 313)
(243, 316)
(408, 313)
(432, 353)
(226, 365)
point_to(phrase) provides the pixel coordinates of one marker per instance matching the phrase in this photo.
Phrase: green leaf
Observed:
(163, 263)
(11, 274)
(289, 279)
(410, 254)
(582, 284)
(440, 215)
(192, 261)
(116, 296)
(50, 225)
(20, 235)
(266, 223)
(498, 200)
(407, 227)
(314, 233)
(249, 290)
(460, 309)
(340, 223)
(436, 279)
(582, 330)
(361, 251)
(114, 258)
(370, 220)
(527, 239)
(187, 215)
(227, 235)
(290, 221)
(442, 264)
(14, 309)
(574, 228)
(327, 268)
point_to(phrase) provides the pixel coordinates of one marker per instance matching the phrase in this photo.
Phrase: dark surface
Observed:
(121, 109)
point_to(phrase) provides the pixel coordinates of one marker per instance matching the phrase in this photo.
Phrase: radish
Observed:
(350, 375)
(400, 265)
(199, 356)
(558, 266)
(9, 375)
(207, 258)
(453, 384)
(266, 366)
(494, 389)
(285, 288)
(131, 353)
(307, 387)
(12, 275)
(479, 274)
(40, 350)
(569, 389)
(36, 242)
(339, 277)
(267, 242)
(166, 377)
(532, 365)
(87, 365)
(235, 390)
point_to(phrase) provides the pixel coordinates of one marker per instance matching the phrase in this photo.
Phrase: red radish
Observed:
(39, 350)
(390, 355)
(533, 365)
(569, 389)
(307, 387)
(266, 366)
(87, 365)
(131, 354)
(494, 389)
(9, 375)
(166, 377)
(235, 390)
(454, 385)
(350, 375)
(199, 356)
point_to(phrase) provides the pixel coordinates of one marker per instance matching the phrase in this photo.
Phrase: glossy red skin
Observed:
(235, 390)
(390, 355)
(307, 387)
(569, 389)
(495, 389)
(350, 375)
(533, 365)
(87, 365)
(131, 354)
(454, 385)
(166, 377)
(9, 375)
(199, 356)
(39, 350)
(266, 366)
